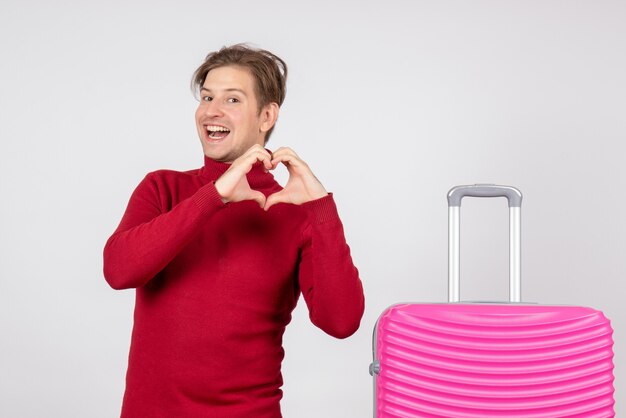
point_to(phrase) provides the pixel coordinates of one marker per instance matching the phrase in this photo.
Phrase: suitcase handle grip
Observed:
(513, 195)
(455, 195)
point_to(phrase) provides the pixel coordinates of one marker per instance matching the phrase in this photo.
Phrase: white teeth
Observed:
(217, 128)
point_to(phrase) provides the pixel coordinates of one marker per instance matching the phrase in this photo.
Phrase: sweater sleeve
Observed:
(328, 279)
(147, 239)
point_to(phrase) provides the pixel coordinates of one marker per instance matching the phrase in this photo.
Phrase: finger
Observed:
(253, 155)
(264, 156)
(257, 150)
(255, 147)
(282, 151)
(278, 197)
(285, 154)
(259, 198)
(290, 161)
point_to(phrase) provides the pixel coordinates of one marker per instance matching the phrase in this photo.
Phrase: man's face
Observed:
(227, 118)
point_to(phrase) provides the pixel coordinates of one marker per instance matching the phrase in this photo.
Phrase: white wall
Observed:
(392, 103)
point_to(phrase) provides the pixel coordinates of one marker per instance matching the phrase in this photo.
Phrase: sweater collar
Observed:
(257, 176)
(212, 169)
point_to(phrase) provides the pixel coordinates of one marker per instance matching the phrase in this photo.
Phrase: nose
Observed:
(212, 109)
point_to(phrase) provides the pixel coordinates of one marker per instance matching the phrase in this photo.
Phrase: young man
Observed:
(219, 256)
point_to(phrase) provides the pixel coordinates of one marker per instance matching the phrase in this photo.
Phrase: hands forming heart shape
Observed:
(301, 187)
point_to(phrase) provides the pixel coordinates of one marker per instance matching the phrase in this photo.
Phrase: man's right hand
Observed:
(233, 186)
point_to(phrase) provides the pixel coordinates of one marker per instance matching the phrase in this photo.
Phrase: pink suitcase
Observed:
(483, 360)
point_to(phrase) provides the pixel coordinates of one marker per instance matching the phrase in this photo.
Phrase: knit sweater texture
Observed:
(215, 288)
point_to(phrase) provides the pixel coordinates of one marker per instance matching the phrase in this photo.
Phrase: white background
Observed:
(392, 103)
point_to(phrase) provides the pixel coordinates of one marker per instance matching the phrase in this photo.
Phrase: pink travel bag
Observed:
(484, 360)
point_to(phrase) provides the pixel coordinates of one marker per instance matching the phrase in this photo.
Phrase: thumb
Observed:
(258, 197)
(277, 197)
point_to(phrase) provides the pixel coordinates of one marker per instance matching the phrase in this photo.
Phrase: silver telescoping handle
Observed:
(455, 195)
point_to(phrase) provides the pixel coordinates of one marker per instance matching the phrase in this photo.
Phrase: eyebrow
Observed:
(228, 90)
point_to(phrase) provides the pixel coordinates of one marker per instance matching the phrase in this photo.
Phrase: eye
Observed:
(233, 100)
(206, 98)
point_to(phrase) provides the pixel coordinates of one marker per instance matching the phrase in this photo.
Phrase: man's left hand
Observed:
(302, 185)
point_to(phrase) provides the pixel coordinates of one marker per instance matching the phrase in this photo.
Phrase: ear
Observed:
(269, 115)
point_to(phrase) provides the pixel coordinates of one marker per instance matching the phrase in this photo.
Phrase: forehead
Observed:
(229, 77)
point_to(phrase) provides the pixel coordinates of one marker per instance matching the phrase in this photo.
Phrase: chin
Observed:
(214, 151)
(216, 156)
(225, 156)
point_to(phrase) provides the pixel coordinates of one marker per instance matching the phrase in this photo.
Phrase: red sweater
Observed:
(215, 288)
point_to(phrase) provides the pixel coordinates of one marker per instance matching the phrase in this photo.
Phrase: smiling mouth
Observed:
(216, 132)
